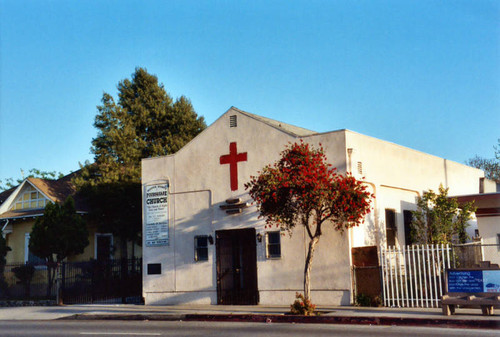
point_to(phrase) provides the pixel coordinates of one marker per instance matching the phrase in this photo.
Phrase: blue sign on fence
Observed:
(465, 281)
(474, 281)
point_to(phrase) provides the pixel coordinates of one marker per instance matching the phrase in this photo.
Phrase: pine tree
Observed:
(144, 122)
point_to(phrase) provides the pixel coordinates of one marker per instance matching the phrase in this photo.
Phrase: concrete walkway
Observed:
(464, 318)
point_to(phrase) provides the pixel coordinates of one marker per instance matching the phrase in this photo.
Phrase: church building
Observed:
(203, 239)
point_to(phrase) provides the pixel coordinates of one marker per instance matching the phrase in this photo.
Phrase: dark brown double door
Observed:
(236, 266)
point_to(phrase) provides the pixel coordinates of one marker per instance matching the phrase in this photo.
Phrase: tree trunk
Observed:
(307, 270)
(51, 274)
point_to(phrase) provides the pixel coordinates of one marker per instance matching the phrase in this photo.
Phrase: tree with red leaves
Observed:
(302, 188)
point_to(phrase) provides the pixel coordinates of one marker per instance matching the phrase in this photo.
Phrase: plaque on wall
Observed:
(156, 214)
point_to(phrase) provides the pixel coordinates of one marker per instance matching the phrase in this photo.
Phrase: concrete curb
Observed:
(265, 318)
(126, 317)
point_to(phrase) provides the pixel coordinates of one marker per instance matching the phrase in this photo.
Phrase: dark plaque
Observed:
(154, 268)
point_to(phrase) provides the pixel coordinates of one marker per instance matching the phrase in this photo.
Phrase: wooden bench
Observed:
(487, 301)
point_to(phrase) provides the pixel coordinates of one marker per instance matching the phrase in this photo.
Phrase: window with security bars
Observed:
(201, 248)
(273, 240)
(390, 227)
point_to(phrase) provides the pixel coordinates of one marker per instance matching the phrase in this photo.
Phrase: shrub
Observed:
(24, 274)
(301, 306)
(363, 300)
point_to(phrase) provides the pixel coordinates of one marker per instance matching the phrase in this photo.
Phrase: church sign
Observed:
(156, 214)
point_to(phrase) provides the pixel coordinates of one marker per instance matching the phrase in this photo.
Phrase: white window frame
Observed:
(27, 251)
(40, 199)
(26, 247)
(269, 256)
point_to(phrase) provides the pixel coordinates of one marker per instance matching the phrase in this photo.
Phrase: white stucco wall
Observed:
(398, 175)
(489, 228)
(199, 184)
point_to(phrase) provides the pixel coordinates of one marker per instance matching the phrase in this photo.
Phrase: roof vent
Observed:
(360, 167)
(233, 122)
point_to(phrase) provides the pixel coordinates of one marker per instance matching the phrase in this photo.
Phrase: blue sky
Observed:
(423, 74)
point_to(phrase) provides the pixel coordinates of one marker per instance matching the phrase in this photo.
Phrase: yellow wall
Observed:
(15, 240)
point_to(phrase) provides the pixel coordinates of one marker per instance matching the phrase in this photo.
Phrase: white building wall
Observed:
(199, 184)
(398, 175)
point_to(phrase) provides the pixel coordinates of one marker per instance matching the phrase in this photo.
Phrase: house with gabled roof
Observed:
(22, 205)
(203, 239)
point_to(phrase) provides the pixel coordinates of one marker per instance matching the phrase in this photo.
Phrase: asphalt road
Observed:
(218, 329)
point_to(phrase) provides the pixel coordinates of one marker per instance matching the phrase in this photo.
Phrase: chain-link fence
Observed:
(470, 254)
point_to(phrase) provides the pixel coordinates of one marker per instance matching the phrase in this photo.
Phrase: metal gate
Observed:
(108, 281)
(413, 276)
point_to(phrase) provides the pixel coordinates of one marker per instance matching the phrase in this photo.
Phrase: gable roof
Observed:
(293, 130)
(53, 190)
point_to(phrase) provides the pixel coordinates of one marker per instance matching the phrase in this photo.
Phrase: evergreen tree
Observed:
(144, 122)
(4, 249)
(59, 233)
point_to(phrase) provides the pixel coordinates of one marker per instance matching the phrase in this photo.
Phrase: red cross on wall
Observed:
(232, 159)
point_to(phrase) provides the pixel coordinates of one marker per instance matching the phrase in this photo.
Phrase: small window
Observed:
(408, 218)
(273, 244)
(201, 248)
(390, 227)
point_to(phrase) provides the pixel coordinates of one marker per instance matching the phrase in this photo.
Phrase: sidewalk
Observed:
(464, 318)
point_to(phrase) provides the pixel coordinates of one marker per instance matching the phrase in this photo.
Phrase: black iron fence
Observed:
(25, 282)
(110, 281)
